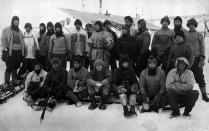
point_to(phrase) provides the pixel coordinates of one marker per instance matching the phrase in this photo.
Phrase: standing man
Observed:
(162, 41)
(13, 47)
(59, 45)
(130, 24)
(143, 39)
(100, 44)
(44, 45)
(196, 40)
(178, 25)
(113, 57)
(79, 44)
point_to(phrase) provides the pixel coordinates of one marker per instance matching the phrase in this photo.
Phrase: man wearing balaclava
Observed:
(44, 46)
(179, 88)
(125, 82)
(143, 39)
(162, 40)
(196, 40)
(100, 44)
(60, 45)
(152, 86)
(13, 49)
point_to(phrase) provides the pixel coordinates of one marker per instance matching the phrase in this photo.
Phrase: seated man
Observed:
(125, 82)
(34, 83)
(179, 85)
(56, 83)
(152, 87)
(98, 80)
(76, 80)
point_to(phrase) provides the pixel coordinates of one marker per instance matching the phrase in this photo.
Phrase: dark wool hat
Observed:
(58, 25)
(165, 18)
(152, 59)
(28, 25)
(56, 61)
(178, 18)
(15, 18)
(129, 18)
(42, 24)
(192, 21)
(179, 33)
(89, 25)
(50, 24)
(77, 59)
(106, 22)
(78, 22)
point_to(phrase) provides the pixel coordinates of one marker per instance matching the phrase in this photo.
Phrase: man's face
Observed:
(152, 65)
(192, 27)
(181, 66)
(28, 29)
(50, 28)
(99, 67)
(125, 64)
(76, 65)
(139, 26)
(41, 27)
(78, 27)
(124, 31)
(177, 23)
(16, 22)
(128, 23)
(58, 29)
(107, 26)
(37, 67)
(96, 27)
(55, 66)
(164, 24)
(179, 39)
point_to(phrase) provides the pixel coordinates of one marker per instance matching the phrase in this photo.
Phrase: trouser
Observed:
(42, 60)
(12, 64)
(76, 96)
(27, 64)
(48, 63)
(198, 74)
(162, 103)
(81, 58)
(63, 58)
(113, 64)
(189, 99)
(128, 97)
(141, 63)
(87, 62)
(35, 91)
(103, 92)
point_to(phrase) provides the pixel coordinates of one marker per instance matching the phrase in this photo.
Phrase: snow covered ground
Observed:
(15, 115)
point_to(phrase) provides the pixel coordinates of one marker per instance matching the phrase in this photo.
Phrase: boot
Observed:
(7, 77)
(126, 112)
(205, 97)
(102, 106)
(173, 115)
(93, 104)
(132, 111)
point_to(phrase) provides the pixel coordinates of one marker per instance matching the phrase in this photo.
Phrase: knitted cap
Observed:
(58, 25)
(178, 18)
(192, 21)
(28, 25)
(50, 24)
(99, 62)
(56, 61)
(165, 18)
(78, 22)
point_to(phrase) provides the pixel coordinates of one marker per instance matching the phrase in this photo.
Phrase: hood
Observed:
(182, 59)
(143, 25)
(99, 62)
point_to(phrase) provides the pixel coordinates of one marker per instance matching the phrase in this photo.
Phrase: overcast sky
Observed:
(35, 10)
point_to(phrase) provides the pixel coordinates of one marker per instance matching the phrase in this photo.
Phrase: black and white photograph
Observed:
(104, 65)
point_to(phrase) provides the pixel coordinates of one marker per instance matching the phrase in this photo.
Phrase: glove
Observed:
(201, 61)
(5, 54)
(134, 88)
(145, 106)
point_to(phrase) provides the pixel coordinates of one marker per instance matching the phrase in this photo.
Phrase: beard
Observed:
(58, 34)
(152, 71)
(50, 32)
(77, 69)
(14, 27)
(177, 28)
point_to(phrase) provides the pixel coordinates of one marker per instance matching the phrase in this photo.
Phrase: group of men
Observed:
(152, 78)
